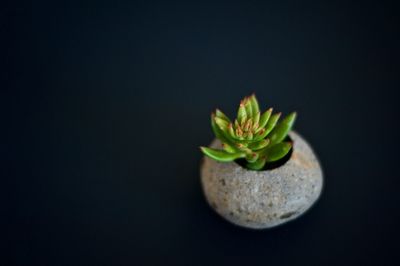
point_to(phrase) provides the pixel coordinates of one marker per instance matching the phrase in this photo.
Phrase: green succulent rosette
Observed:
(257, 138)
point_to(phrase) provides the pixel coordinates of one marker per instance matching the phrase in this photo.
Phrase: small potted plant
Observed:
(258, 173)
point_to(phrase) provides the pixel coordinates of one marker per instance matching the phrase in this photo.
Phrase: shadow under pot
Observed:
(267, 198)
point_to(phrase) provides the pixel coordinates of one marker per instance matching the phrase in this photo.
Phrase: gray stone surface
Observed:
(263, 199)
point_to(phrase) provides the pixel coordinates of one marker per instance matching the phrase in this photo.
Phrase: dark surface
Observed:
(104, 106)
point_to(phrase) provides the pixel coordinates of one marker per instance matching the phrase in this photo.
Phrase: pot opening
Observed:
(271, 165)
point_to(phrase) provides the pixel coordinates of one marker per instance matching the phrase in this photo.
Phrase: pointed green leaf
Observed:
(257, 165)
(272, 122)
(231, 131)
(219, 133)
(264, 118)
(277, 151)
(220, 114)
(249, 108)
(254, 104)
(223, 124)
(259, 145)
(282, 129)
(220, 155)
(241, 114)
(270, 125)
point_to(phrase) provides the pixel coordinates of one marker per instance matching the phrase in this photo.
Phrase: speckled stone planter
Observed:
(263, 199)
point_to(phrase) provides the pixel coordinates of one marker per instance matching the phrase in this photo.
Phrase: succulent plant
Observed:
(257, 138)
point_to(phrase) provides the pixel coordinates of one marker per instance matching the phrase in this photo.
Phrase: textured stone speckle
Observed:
(263, 199)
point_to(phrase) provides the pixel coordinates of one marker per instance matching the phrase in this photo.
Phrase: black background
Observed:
(104, 105)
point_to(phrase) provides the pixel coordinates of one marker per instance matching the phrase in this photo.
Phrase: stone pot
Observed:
(263, 199)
